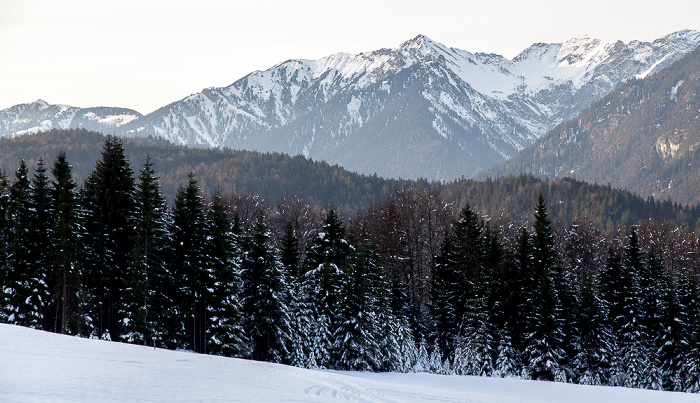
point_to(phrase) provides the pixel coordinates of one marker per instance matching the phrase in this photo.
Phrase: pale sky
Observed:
(144, 54)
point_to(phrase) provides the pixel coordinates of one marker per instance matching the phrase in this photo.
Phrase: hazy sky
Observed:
(143, 54)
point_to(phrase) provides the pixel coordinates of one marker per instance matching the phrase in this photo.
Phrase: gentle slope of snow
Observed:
(37, 366)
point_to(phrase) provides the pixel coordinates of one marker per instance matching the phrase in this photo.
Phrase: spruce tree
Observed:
(688, 322)
(327, 262)
(108, 239)
(611, 298)
(589, 339)
(225, 331)
(186, 320)
(325, 267)
(65, 228)
(25, 286)
(652, 297)
(471, 282)
(632, 354)
(545, 349)
(356, 339)
(506, 296)
(5, 236)
(442, 304)
(524, 296)
(40, 234)
(147, 287)
(684, 368)
(266, 313)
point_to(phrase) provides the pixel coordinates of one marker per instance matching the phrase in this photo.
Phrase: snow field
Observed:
(37, 366)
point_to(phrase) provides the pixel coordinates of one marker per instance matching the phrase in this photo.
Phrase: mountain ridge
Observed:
(475, 109)
(644, 137)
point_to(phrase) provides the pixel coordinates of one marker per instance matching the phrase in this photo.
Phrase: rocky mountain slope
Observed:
(420, 110)
(645, 137)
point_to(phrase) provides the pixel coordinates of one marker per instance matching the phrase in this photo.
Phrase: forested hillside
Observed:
(644, 137)
(411, 283)
(271, 177)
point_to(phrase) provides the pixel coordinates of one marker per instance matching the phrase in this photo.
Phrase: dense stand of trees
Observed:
(408, 284)
(273, 176)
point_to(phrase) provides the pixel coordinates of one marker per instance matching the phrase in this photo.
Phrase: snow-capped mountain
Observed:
(421, 110)
(642, 137)
(42, 116)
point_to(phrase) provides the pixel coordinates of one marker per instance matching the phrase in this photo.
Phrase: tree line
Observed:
(411, 283)
(274, 176)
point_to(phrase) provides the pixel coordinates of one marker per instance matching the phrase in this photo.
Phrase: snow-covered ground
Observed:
(36, 366)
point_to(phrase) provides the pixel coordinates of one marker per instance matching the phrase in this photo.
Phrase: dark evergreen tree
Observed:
(326, 265)
(302, 315)
(524, 296)
(69, 308)
(356, 339)
(652, 297)
(290, 254)
(25, 286)
(5, 236)
(225, 331)
(472, 283)
(266, 314)
(108, 240)
(327, 262)
(40, 235)
(589, 340)
(545, 344)
(504, 305)
(148, 283)
(611, 295)
(460, 287)
(443, 300)
(631, 372)
(186, 320)
(683, 369)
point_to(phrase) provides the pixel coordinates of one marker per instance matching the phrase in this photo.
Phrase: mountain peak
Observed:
(39, 103)
(420, 43)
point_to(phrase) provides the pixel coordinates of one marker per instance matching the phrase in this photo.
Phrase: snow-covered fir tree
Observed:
(326, 265)
(545, 342)
(148, 276)
(357, 335)
(5, 236)
(189, 266)
(24, 288)
(265, 309)
(40, 235)
(225, 332)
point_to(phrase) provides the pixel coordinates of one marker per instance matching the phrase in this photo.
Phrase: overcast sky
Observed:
(144, 54)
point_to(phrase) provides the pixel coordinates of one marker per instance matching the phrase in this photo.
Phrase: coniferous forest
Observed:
(410, 283)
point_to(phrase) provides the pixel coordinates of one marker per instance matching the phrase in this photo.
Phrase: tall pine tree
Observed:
(148, 278)
(225, 331)
(40, 234)
(265, 308)
(189, 266)
(108, 240)
(24, 288)
(545, 344)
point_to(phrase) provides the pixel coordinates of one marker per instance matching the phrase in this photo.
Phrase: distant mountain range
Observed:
(644, 136)
(40, 116)
(421, 110)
